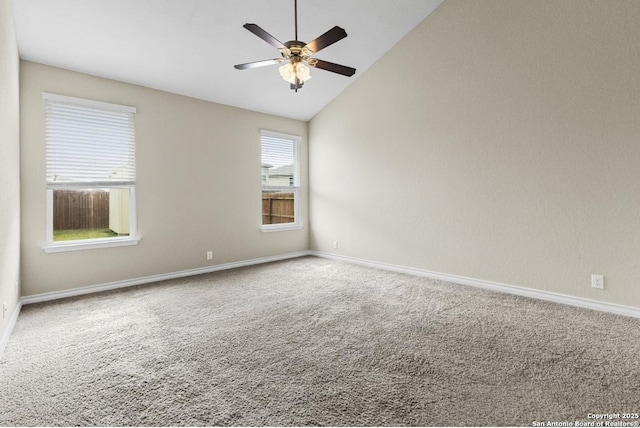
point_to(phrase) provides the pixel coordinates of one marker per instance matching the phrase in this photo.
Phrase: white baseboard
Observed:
(7, 332)
(504, 288)
(36, 298)
(495, 286)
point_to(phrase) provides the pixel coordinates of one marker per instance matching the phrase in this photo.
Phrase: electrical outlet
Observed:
(209, 255)
(597, 281)
(4, 310)
(335, 244)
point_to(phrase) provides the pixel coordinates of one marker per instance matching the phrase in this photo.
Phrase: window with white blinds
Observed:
(280, 174)
(90, 173)
(88, 142)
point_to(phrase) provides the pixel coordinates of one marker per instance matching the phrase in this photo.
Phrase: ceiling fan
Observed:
(297, 56)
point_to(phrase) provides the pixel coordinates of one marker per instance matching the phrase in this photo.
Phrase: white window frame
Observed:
(295, 225)
(52, 246)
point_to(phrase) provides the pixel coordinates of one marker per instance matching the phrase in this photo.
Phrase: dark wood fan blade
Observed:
(257, 64)
(255, 29)
(327, 39)
(330, 66)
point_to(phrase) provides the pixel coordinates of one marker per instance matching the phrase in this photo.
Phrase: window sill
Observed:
(60, 247)
(279, 227)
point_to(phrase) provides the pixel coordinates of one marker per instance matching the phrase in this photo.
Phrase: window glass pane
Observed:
(90, 213)
(278, 207)
(90, 168)
(280, 172)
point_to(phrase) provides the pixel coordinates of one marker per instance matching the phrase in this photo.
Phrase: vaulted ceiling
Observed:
(189, 47)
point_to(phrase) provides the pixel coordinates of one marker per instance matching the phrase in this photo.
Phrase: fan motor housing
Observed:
(296, 51)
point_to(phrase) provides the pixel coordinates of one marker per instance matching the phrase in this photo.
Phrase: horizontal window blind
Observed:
(92, 145)
(280, 160)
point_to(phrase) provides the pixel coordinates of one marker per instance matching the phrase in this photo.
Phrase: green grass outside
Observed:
(75, 234)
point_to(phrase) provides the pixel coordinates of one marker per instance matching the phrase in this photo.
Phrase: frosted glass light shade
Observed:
(290, 71)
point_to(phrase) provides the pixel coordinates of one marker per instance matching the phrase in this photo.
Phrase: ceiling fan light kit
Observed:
(296, 70)
(297, 55)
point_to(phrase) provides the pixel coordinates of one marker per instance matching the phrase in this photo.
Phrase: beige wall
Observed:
(500, 140)
(9, 165)
(198, 185)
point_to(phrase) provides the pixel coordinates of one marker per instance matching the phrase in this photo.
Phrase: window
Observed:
(280, 172)
(90, 174)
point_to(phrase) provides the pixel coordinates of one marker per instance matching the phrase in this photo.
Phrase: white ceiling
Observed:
(189, 47)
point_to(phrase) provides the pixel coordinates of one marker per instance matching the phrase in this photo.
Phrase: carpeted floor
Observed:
(315, 342)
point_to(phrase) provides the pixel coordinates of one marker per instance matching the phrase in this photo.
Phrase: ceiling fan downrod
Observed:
(295, 14)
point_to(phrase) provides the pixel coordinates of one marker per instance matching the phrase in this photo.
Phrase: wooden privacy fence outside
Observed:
(80, 209)
(277, 208)
(89, 209)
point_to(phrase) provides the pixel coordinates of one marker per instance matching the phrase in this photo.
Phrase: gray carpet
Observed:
(314, 342)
